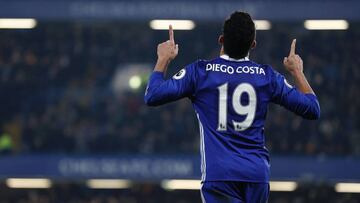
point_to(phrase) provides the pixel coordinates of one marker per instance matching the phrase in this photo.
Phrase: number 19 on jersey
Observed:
(248, 110)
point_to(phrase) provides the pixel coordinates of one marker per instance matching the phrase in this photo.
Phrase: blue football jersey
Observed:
(230, 98)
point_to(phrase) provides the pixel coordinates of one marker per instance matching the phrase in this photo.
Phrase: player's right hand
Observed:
(293, 63)
(168, 50)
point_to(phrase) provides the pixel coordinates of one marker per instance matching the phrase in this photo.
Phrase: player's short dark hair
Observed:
(239, 34)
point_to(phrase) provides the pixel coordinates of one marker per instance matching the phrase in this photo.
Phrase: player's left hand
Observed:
(168, 50)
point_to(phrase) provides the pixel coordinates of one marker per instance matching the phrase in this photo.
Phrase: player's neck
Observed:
(222, 52)
(227, 57)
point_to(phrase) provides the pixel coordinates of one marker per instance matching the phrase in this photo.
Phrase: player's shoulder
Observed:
(266, 67)
(190, 69)
(269, 70)
(197, 65)
(202, 63)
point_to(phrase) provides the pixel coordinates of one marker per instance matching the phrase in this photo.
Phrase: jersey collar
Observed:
(227, 57)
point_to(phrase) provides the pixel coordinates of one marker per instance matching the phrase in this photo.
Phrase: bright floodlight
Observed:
(348, 187)
(178, 184)
(108, 183)
(181, 184)
(135, 82)
(283, 186)
(262, 25)
(17, 23)
(326, 24)
(176, 24)
(28, 183)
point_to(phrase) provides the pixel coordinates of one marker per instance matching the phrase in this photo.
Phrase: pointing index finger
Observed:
(293, 46)
(171, 34)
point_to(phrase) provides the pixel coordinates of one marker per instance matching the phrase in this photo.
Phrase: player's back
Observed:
(231, 101)
(230, 98)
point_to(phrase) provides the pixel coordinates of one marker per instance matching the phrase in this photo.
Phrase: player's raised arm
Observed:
(166, 52)
(294, 64)
(300, 100)
(160, 91)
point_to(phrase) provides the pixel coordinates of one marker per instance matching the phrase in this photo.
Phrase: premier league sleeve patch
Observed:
(180, 74)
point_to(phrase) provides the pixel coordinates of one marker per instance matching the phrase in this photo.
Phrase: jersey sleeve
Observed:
(182, 84)
(304, 105)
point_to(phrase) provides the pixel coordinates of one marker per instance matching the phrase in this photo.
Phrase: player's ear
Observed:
(253, 45)
(221, 39)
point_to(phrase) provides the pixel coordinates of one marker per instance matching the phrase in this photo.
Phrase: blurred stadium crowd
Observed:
(57, 96)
